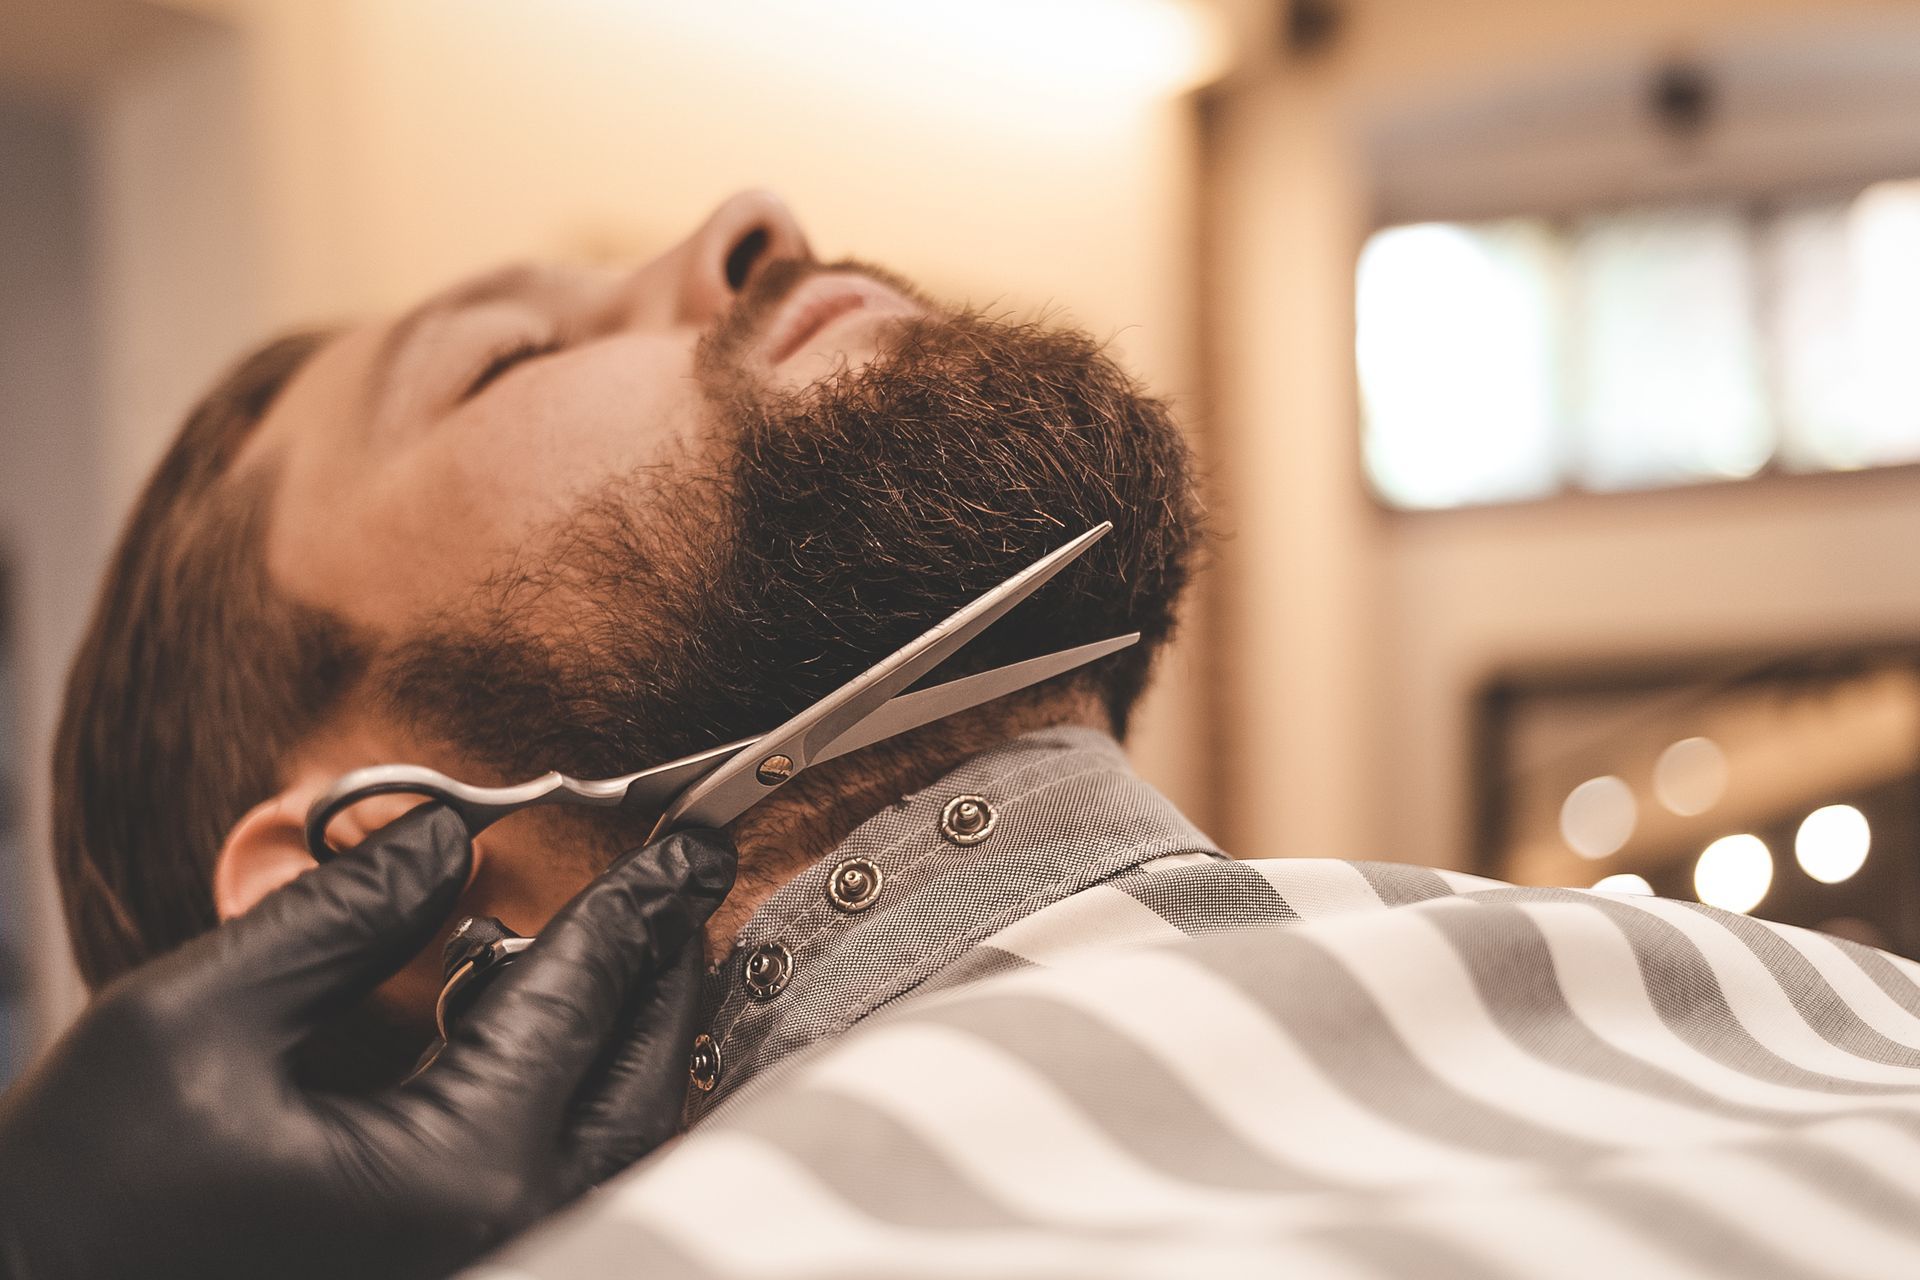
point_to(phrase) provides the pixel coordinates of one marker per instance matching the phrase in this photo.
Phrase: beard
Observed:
(810, 535)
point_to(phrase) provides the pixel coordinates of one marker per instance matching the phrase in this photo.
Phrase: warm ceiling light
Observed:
(1060, 48)
(1154, 46)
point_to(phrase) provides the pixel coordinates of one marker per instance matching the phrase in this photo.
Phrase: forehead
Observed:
(364, 352)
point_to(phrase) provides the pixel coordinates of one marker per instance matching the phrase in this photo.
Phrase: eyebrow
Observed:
(506, 282)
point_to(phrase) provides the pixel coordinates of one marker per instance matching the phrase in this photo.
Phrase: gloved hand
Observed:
(164, 1135)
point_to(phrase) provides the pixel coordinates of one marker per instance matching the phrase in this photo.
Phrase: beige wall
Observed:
(1355, 636)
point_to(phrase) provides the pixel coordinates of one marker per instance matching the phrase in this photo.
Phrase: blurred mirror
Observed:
(1786, 787)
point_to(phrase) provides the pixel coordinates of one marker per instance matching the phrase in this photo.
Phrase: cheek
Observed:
(465, 498)
(568, 427)
(523, 457)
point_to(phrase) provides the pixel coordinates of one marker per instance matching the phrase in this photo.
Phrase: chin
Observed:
(811, 367)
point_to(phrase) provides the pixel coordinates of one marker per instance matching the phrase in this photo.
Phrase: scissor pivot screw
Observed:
(774, 770)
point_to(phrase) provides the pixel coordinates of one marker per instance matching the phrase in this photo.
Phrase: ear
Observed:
(266, 849)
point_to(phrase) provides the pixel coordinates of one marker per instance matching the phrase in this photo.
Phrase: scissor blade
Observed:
(729, 790)
(924, 706)
(653, 787)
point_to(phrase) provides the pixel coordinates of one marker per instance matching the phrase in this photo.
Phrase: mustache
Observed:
(768, 288)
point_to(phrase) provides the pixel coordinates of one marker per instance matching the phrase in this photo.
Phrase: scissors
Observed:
(713, 787)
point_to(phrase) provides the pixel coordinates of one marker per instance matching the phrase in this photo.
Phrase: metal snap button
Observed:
(768, 967)
(855, 884)
(703, 1066)
(967, 820)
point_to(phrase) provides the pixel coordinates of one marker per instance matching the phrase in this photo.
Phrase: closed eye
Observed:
(504, 362)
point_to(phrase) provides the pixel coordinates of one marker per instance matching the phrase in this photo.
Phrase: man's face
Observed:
(594, 521)
(419, 454)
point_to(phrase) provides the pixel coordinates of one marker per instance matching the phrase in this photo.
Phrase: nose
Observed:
(697, 280)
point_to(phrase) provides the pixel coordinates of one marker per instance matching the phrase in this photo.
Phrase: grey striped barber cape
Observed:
(1029, 1022)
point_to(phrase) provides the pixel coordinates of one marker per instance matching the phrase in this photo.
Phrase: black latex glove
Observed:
(164, 1136)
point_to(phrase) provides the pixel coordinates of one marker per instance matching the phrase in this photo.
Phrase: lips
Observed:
(821, 301)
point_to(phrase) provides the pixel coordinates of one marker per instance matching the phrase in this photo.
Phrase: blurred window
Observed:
(1664, 366)
(1459, 363)
(1513, 359)
(1847, 329)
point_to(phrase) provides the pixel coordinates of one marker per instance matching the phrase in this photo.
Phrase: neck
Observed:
(815, 813)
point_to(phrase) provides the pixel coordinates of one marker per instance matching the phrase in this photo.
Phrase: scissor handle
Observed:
(478, 807)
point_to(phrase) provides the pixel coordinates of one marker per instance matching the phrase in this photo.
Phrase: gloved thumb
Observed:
(521, 1052)
(322, 942)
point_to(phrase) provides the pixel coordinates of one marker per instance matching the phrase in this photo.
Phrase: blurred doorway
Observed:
(127, 278)
(15, 1016)
(51, 538)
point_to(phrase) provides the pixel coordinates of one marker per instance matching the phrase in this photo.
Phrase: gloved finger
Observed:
(521, 1051)
(633, 1104)
(324, 941)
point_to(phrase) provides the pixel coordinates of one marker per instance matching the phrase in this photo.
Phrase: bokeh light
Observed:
(1734, 873)
(1832, 843)
(1624, 882)
(1598, 817)
(1691, 776)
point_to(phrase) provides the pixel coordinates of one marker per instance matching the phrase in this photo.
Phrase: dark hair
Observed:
(193, 680)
